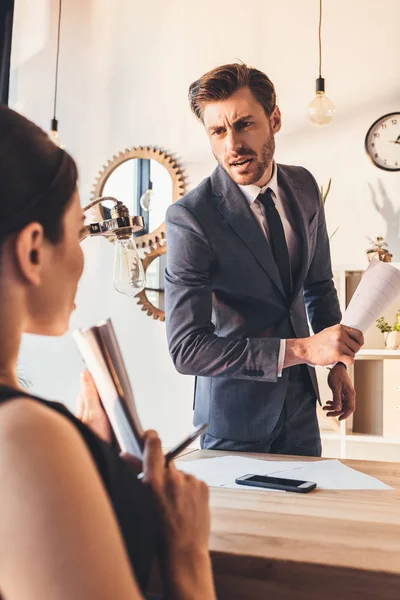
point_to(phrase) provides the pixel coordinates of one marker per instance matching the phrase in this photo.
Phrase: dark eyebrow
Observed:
(215, 127)
(238, 121)
(245, 118)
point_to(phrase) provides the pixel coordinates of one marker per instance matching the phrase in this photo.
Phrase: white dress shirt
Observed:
(251, 192)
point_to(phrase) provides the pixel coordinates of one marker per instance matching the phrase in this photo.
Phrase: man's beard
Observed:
(258, 165)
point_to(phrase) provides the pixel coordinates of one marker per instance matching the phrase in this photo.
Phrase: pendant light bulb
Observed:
(129, 276)
(321, 110)
(147, 197)
(54, 135)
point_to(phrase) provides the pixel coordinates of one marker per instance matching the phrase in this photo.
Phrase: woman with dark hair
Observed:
(75, 523)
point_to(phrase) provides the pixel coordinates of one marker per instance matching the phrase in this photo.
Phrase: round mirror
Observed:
(151, 298)
(147, 181)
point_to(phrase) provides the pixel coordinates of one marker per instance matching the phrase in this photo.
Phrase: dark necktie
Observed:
(278, 241)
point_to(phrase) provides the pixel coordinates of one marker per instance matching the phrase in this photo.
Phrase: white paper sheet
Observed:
(327, 474)
(334, 475)
(378, 288)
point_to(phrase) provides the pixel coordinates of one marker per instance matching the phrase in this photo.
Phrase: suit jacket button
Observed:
(245, 372)
(261, 373)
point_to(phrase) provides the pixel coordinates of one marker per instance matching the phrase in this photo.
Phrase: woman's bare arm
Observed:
(59, 538)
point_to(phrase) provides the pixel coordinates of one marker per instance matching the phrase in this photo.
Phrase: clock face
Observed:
(382, 142)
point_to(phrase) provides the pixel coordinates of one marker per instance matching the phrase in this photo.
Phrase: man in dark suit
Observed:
(248, 258)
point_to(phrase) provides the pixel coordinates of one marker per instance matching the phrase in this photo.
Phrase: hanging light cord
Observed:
(319, 36)
(57, 55)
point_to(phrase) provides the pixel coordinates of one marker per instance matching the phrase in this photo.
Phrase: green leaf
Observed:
(328, 189)
(331, 236)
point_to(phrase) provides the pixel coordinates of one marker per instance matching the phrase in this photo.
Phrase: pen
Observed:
(173, 453)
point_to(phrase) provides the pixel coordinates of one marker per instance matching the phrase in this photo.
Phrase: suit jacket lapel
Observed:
(235, 209)
(296, 197)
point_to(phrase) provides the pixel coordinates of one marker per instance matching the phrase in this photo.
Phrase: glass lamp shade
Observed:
(147, 198)
(129, 275)
(55, 138)
(321, 110)
(54, 135)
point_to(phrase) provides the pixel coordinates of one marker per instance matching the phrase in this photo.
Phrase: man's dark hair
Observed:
(37, 178)
(220, 83)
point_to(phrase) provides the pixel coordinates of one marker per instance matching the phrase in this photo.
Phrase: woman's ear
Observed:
(276, 120)
(30, 252)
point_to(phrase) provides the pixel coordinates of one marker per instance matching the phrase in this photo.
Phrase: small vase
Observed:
(392, 339)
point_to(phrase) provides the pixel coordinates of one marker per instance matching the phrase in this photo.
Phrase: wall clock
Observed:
(382, 142)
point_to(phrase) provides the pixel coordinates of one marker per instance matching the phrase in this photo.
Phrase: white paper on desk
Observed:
(334, 475)
(378, 288)
(327, 474)
(219, 472)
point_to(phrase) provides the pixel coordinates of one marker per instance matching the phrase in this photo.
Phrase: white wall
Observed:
(125, 68)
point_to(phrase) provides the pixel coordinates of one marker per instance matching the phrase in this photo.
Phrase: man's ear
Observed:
(29, 251)
(276, 120)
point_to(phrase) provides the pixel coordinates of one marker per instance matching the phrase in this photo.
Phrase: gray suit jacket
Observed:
(226, 308)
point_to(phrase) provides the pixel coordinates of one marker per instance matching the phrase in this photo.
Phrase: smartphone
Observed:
(277, 483)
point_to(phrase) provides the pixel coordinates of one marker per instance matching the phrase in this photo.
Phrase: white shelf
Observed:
(376, 377)
(359, 437)
(372, 439)
(376, 354)
(357, 266)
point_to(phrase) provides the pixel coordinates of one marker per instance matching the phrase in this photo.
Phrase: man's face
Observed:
(242, 137)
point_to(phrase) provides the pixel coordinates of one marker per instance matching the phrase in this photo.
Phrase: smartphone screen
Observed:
(276, 483)
(275, 480)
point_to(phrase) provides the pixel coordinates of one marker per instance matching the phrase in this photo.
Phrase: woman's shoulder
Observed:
(50, 494)
(29, 428)
(23, 411)
(40, 451)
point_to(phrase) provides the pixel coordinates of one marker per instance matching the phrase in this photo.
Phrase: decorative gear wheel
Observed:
(150, 152)
(143, 301)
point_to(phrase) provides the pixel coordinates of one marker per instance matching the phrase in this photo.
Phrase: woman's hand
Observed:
(182, 502)
(90, 410)
(182, 499)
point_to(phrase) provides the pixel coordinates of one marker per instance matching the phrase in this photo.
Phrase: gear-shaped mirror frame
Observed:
(143, 301)
(152, 153)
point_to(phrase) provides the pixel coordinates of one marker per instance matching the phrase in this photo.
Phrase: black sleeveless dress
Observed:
(132, 501)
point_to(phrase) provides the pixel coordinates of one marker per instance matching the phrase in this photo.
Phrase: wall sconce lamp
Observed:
(129, 276)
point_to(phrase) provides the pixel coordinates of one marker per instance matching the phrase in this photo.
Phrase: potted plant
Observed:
(391, 334)
(379, 251)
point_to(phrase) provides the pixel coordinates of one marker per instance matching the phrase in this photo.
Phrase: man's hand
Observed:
(343, 403)
(90, 410)
(334, 344)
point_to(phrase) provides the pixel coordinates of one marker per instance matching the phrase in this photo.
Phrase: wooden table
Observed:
(340, 545)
